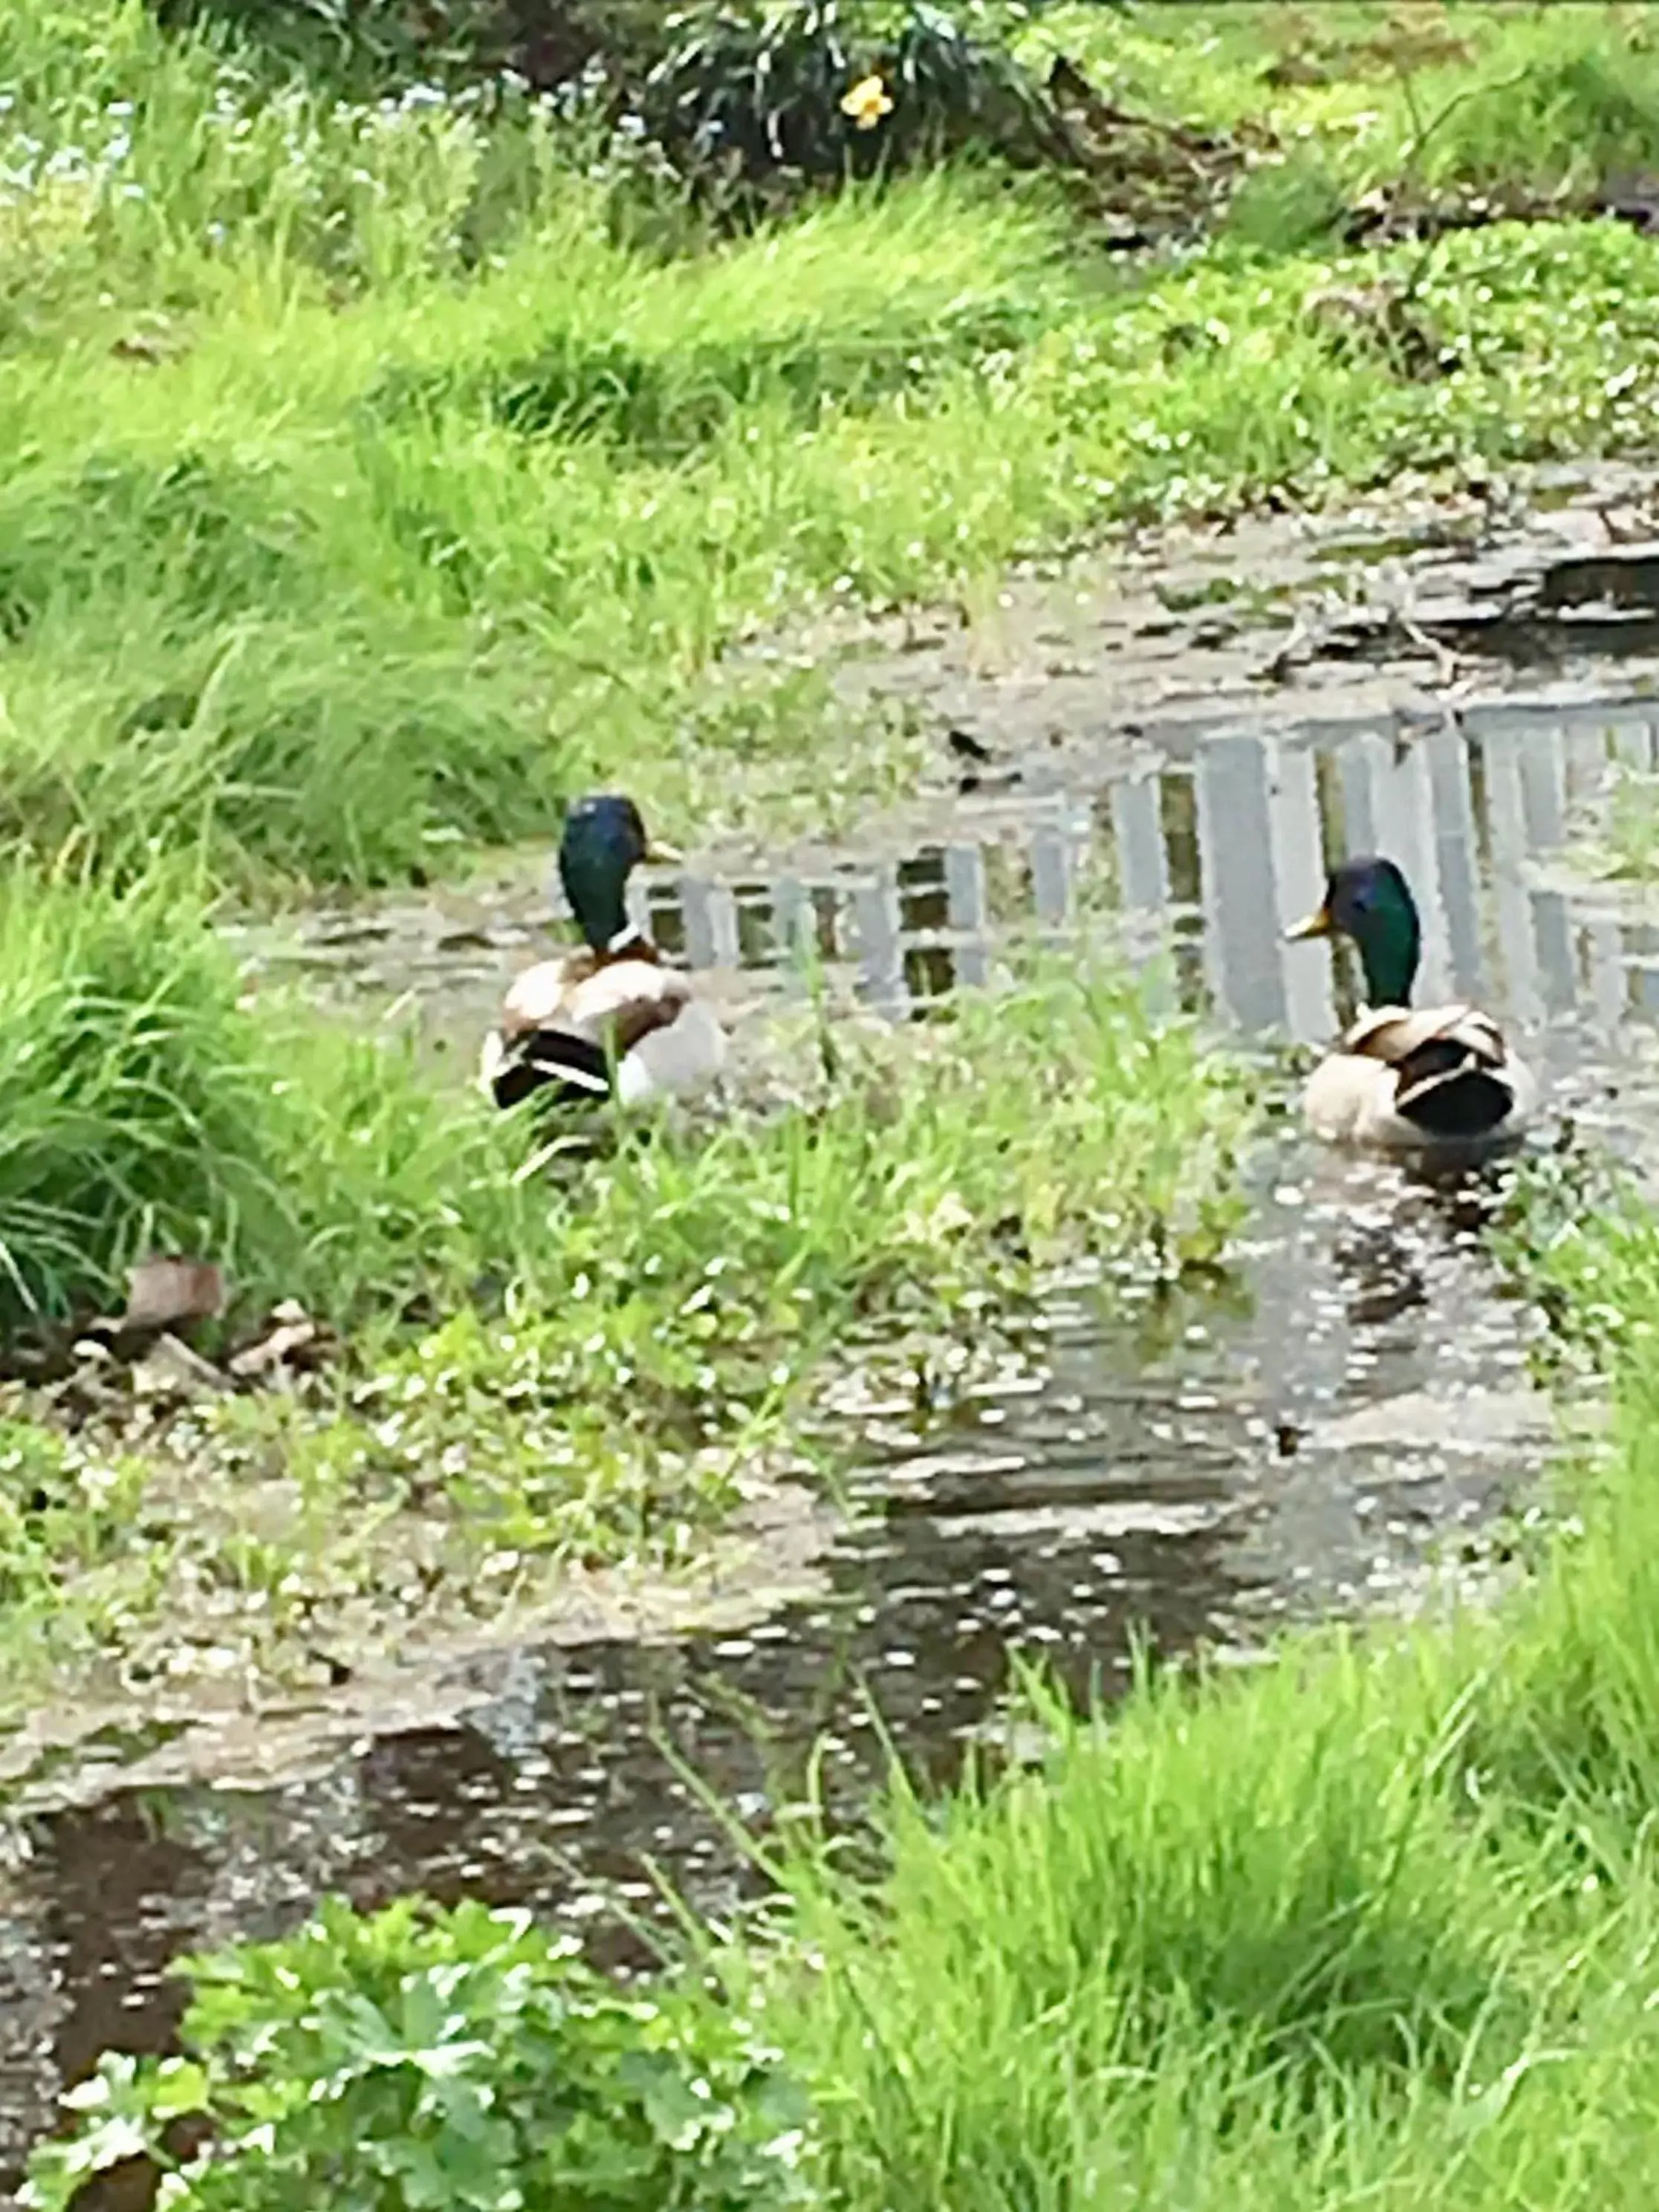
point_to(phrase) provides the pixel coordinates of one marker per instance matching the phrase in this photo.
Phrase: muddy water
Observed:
(1189, 1466)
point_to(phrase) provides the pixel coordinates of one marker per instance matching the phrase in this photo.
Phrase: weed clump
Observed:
(147, 1105)
(473, 2060)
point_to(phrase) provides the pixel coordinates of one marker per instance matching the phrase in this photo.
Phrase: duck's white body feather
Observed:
(1433, 1082)
(674, 1062)
(667, 1043)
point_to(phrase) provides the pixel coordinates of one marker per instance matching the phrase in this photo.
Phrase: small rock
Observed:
(292, 1332)
(163, 1291)
(171, 1369)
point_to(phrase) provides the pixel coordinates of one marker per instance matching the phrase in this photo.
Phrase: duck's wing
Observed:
(1422, 1040)
(1450, 1076)
(539, 998)
(624, 1001)
(585, 998)
(566, 1026)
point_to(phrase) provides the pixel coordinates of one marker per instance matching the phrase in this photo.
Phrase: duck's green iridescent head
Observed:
(604, 841)
(1370, 901)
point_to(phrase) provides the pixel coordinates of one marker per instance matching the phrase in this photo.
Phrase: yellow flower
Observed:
(867, 103)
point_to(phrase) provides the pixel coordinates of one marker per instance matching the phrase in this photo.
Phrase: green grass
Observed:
(354, 595)
(1374, 1924)
(145, 1106)
(365, 490)
(1622, 842)
(551, 1360)
(1465, 98)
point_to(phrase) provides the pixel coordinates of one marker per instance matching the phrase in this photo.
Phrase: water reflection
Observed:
(1184, 1470)
(1224, 849)
(1205, 858)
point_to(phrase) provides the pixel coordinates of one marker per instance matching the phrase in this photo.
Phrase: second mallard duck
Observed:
(1436, 1082)
(610, 1020)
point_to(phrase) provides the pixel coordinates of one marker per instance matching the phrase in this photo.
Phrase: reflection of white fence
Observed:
(878, 923)
(969, 913)
(1471, 809)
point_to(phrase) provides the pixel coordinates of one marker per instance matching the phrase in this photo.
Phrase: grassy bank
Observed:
(1377, 1927)
(1373, 1924)
(372, 479)
(550, 1361)
(372, 475)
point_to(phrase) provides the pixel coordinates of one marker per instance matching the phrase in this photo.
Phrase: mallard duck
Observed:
(610, 1020)
(1436, 1081)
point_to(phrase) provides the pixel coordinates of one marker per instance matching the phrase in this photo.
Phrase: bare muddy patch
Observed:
(1398, 608)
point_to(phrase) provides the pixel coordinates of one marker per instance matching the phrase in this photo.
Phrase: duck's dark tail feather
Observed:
(1462, 1102)
(552, 1064)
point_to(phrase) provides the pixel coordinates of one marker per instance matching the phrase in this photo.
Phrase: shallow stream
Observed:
(1192, 1469)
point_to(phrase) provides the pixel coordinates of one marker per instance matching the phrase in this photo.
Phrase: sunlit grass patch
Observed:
(328, 592)
(370, 485)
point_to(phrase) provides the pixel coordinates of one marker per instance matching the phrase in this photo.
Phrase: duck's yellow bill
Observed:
(1317, 924)
(662, 855)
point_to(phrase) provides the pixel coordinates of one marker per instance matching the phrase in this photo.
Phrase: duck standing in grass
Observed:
(1437, 1083)
(609, 1020)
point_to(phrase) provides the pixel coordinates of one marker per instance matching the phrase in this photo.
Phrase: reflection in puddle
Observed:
(1205, 860)
(1188, 1470)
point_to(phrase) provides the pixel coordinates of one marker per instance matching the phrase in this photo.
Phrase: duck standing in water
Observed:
(1438, 1083)
(609, 1020)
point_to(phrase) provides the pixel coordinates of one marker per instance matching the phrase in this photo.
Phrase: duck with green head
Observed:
(1436, 1082)
(609, 1020)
